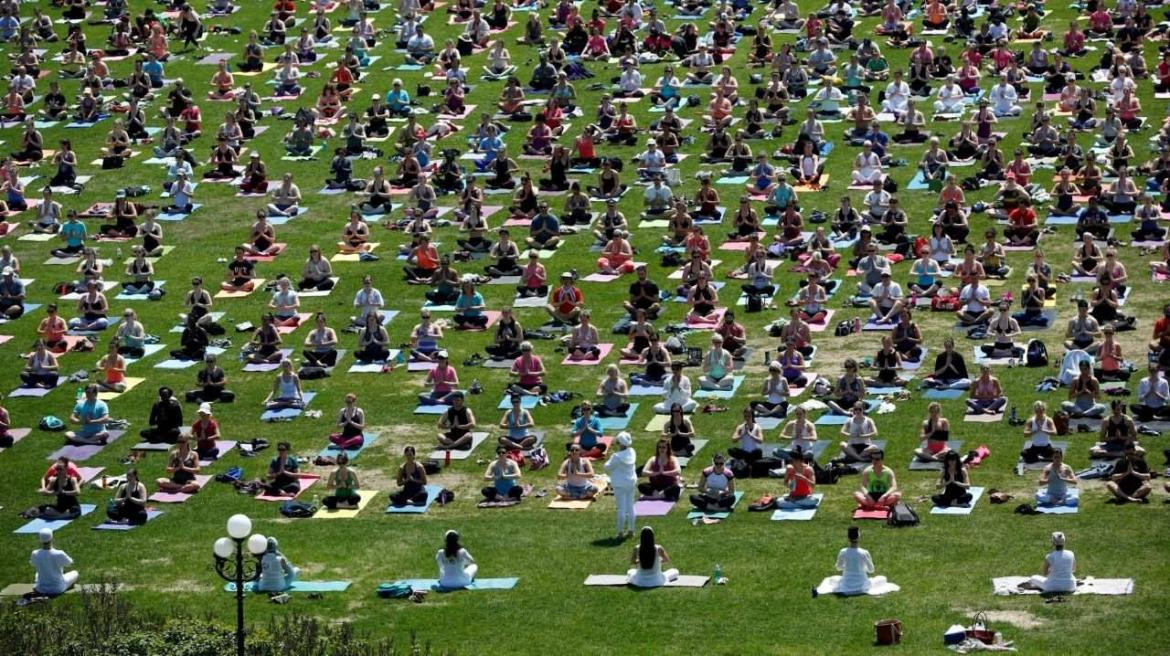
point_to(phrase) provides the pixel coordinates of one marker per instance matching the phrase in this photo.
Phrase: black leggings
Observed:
(704, 502)
(326, 359)
(492, 494)
(130, 513)
(415, 495)
(670, 492)
(333, 500)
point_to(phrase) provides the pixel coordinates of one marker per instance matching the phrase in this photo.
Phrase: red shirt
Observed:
(202, 431)
(1022, 217)
(566, 299)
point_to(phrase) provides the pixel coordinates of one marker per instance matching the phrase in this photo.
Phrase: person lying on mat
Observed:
(286, 389)
(443, 380)
(456, 425)
(587, 432)
(63, 483)
(277, 574)
(801, 481)
(183, 466)
(411, 479)
(351, 422)
(90, 414)
(504, 474)
(1060, 567)
(664, 476)
(129, 503)
(281, 478)
(50, 565)
(343, 486)
(457, 569)
(954, 483)
(859, 431)
(936, 432)
(879, 486)
(576, 476)
(855, 565)
(986, 394)
(1056, 480)
(716, 487)
(647, 560)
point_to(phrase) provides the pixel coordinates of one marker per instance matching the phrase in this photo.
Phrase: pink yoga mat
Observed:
(821, 327)
(179, 497)
(492, 315)
(307, 481)
(871, 514)
(605, 349)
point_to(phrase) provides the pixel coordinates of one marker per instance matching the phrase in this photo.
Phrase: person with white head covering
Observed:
(1060, 566)
(457, 568)
(277, 574)
(623, 478)
(51, 564)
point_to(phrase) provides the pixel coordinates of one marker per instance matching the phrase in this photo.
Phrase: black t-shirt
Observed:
(241, 268)
(1124, 466)
(645, 291)
(213, 377)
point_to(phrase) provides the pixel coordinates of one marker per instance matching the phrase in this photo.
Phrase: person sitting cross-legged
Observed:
(879, 486)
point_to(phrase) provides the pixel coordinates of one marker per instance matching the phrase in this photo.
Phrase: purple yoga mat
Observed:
(652, 507)
(84, 452)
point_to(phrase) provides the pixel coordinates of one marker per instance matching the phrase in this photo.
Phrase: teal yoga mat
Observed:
(720, 514)
(478, 584)
(432, 494)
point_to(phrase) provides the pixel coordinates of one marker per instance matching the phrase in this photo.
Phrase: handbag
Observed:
(981, 630)
(887, 632)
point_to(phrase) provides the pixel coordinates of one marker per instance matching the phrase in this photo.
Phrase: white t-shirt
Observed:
(451, 571)
(1061, 565)
(50, 565)
(648, 578)
(974, 298)
(1163, 388)
(855, 565)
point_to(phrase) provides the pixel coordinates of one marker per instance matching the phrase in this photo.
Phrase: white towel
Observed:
(1010, 585)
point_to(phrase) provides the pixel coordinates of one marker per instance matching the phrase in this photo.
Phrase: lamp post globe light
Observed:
(233, 567)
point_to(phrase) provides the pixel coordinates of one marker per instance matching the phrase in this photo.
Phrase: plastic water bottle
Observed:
(79, 393)
(119, 253)
(317, 500)
(717, 578)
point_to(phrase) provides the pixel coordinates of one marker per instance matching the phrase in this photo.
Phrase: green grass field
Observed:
(944, 565)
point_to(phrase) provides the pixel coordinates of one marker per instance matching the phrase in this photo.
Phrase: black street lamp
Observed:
(232, 567)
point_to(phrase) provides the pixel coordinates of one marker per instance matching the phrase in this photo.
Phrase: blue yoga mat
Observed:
(299, 586)
(436, 409)
(110, 526)
(478, 584)
(34, 526)
(943, 395)
(720, 514)
(721, 394)
(526, 402)
(288, 413)
(432, 494)
(619, 423)
(352, 453)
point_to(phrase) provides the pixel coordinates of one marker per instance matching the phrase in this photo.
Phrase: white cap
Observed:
(8, 271)
(205, 408)
(45, 535)
(624, 439)
(1057, 539)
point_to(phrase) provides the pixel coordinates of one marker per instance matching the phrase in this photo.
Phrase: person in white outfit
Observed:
(676, 389)
(867, 166)
(623, 478)
(897, 95)
(647, 559)
(50, 564)
(855, 565)
(951, 97)
(1060, 566)
(457, 568)
(1005, 101)
(277, 574)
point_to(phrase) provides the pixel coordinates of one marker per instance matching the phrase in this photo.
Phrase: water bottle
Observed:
(79, 394)
(119, 251)
(316, 500)
(717, 578)
(447, 458)
(1012, 418)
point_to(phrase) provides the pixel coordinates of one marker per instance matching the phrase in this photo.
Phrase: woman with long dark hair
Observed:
(456, 566)
(647, 560)
(954, 483)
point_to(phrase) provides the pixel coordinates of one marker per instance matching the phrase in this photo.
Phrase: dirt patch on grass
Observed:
(187, 586)
(1018, 618)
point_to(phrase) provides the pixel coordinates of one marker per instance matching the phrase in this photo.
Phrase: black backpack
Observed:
(844, 328)
(297, 509)
(755, 303)
(902, 515)
(1036, 354)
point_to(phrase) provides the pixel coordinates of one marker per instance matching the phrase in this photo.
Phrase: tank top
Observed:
(1039, 437)
(799, 486)
(288, 387)
(879, 483)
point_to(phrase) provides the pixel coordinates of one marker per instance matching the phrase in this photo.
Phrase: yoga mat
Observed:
(644, 390)
(1039, 465)
(332, 450)
(80, 452)
(877, 587)
(570, 504)
(477, 438)
(653, 507)
(943, 394)
(111, 526)
(258, 283)
(934, 465)
(1009, 585)
(718, 514)
(432, 494)
(147, 351)
(17, 434)
(124, 296)
(284, 414)
(430, 409)
(477, 584)
(619, 423)
(307, 481)
(976, 493)
(285, 353)
(35, 525)
(721, 394)
(604, 348)
(622, 580)
(983, 419)
(224, 446)
(527, 402)
(299, 586)
(347, 513)
(179, 497)
(881, 515)
(130, 382)
(657, 423)
(1066, 508)
(798, 514)
(683, 461)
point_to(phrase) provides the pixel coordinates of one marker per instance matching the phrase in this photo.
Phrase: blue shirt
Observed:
(9, 26)
(86, 411)
(545, 225)
(397, 100)
(290, 464)
(464, 304)
(589, 431)
(153, 70)
(74, 233)
(782, 196)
